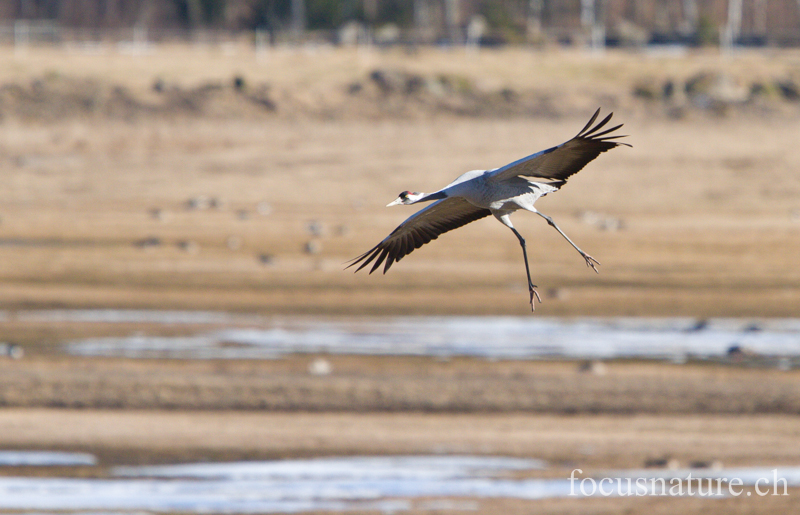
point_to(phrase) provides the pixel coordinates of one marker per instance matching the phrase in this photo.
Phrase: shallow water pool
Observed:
(487, 337)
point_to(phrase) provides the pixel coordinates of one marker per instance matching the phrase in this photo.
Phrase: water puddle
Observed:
(422, 468)
(45, 459)
(386, 484)
(488, 337)
(334, 484)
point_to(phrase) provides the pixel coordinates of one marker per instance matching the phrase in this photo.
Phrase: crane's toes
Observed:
(591, 262)
(534, 293)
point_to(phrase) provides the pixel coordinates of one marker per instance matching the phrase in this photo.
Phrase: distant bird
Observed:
(497, 192)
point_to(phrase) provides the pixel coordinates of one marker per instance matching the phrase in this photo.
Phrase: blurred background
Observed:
(184, 181)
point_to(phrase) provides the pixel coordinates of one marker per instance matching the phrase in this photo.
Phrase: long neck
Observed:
(439, 195)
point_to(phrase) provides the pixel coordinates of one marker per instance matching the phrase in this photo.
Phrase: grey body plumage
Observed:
(499, 192)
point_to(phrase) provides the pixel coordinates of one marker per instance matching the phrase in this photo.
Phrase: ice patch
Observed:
(489, 337)
(388, 484)
(332, 484)
(45, 459)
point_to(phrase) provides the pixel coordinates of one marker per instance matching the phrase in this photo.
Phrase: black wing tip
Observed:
(352, 262)
(598, 126)
(590, 133)
(617, 143)
(364, 259)
(392, 250)
(382, 253)
(591, 121)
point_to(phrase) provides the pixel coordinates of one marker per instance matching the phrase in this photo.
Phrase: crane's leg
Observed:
(590, 261)
(505, 219)
(531, 286)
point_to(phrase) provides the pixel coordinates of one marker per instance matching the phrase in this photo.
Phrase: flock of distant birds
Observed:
(202, 203)
(315, 229)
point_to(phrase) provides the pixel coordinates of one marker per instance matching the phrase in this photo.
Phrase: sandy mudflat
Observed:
(167, 411)
(593, 441)
(590, 442)
(164, 410)
(398, 384)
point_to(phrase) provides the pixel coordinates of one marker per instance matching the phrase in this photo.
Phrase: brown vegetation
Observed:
(94, 212)
(396, 384)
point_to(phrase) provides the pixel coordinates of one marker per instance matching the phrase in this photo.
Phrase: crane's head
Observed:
(407, 197)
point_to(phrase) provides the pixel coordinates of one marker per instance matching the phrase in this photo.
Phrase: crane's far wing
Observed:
(420, 228)
(559, 163)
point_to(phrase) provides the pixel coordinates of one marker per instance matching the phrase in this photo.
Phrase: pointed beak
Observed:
(396, 201)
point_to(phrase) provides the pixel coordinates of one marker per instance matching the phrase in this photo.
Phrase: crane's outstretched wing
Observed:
(559, 163)
(420, 228)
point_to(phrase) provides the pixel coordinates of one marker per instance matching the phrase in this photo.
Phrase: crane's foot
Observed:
(534, 293)
(591, 262)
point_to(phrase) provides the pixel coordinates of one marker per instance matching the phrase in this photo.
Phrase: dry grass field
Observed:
(151, 180)
(699, 218)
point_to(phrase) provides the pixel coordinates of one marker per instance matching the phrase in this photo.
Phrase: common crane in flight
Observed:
(497, 192)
